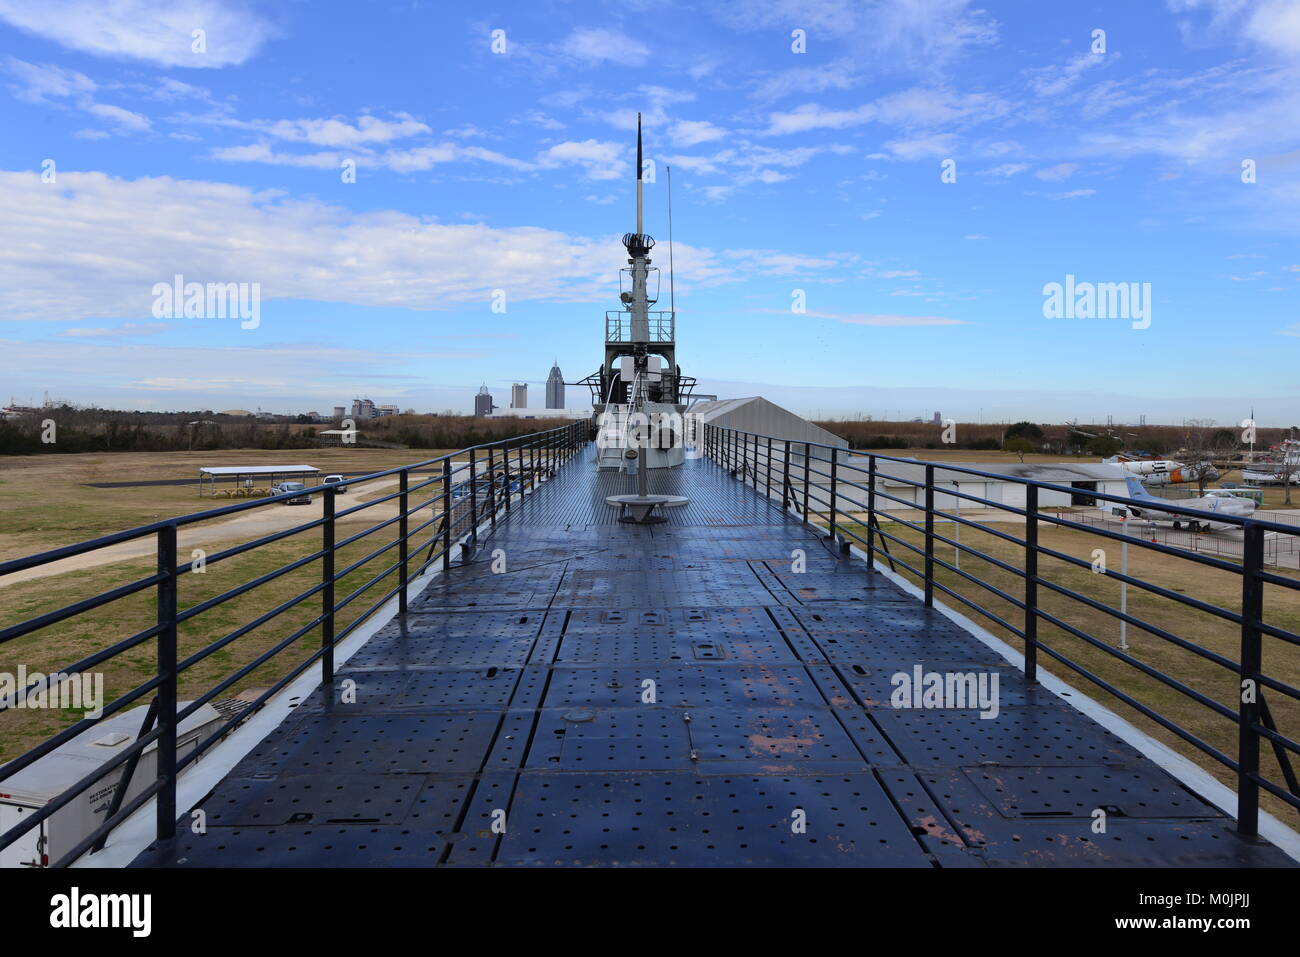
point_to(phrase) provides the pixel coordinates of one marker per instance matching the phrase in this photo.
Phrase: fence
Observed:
(823, 486)
(462, 496)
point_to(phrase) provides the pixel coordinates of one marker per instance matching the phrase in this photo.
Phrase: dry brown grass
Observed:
(45, 500)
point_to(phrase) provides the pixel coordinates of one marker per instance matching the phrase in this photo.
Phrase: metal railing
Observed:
(842, 494)
(618, 326)
(462, 496)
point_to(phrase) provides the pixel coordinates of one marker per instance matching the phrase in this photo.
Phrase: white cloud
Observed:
(1060, 171)
(939, 144)
(40, 82)
(337, 132)
(158, 31)
(53, 84)
(1274, 24)
(838, 75)
(596, 45)
(426, 157)
(1006, 170)
(92, 247)
(693, 132)
(262, 153)
(915, 108)
(1057, 79)
(126, 330)
(600, 159)
(901, 34)
(124, 119)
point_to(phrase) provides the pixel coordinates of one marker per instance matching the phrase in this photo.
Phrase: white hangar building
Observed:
(1083, 478)
(758, 415)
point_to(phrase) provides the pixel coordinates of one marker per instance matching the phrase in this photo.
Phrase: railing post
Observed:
(505, 473)
(835, 458)
(446, 514)
(929, 535)
(492, 486)
(786, 491)
(1031, 583)
(327, 593)
(403, 530)
(871, 512)
(768, 466)
(473, 503)
(807, 477)
(166, 801)
(1249, 690)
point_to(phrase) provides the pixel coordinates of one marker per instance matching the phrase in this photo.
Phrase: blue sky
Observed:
(819, 171)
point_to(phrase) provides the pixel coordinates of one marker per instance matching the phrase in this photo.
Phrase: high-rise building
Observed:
(555, 388)
(519, 395)
(363, 409)
(483, 402)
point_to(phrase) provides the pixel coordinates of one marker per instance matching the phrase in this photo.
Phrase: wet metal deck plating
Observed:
(675, 695)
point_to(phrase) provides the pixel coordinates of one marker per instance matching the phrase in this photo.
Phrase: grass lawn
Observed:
(45, 500)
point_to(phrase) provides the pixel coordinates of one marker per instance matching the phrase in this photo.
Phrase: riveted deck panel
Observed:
(717, 690)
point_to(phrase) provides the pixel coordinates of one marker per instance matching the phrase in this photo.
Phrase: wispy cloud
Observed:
(156, 31)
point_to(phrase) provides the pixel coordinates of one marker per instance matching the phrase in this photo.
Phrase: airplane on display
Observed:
(1215, 501)
(1162, 471)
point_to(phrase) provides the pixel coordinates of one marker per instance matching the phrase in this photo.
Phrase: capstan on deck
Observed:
(678, 695)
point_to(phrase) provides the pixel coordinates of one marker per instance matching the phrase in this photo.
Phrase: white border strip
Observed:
(1197, 779)
(138, 831)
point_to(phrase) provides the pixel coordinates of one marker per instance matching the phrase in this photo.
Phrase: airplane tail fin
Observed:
(1135, 489)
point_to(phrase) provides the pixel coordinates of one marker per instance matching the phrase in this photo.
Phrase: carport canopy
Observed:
(210, 475)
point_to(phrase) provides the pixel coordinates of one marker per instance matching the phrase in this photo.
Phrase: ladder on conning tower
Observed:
(611, 436)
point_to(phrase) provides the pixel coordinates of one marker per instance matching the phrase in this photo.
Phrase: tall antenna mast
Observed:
(638, 173)
(672, 288)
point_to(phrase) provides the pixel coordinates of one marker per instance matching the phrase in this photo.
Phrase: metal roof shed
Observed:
(758, 415)
(244, 474)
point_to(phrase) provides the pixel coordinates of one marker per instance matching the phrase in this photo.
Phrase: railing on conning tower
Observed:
(441, 503)
(618, 326)
(1220, 693)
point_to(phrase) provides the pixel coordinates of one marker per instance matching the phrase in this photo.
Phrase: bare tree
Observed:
(1201, 443)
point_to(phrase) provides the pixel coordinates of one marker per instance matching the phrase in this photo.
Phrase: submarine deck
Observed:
(679, 695)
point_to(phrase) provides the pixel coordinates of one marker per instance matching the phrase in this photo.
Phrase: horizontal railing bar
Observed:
(249, 546)
(77, 608)
(1155, 630)
(248, 586)
(1132, 702)
(69, 551)
(10, 702)
(1146, 669)
(1045, 486)
(981, 609)
(250, 626)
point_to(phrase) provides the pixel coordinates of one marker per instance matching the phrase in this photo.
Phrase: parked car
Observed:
(330, 479)
(283, 487)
